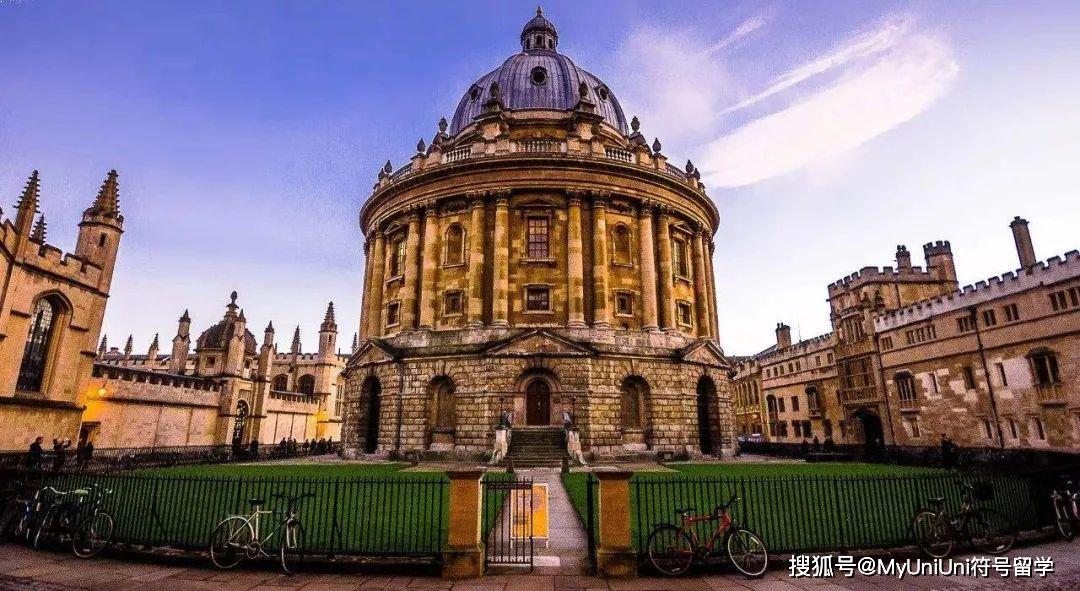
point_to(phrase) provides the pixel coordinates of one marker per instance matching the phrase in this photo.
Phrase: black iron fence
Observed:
(130, 458)
(398, 516)
(507, 520)
(825, 513)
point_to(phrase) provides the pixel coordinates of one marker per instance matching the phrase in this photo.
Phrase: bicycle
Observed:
(1066, 503)
(936, 530)
(59, 516)
(238, 536)
(94, 531)
(20, 516)
(672, 549)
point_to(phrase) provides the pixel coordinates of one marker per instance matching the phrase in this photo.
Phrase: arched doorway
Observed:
(706, 398)
(538, 403)
(372, 389)
(872, 433)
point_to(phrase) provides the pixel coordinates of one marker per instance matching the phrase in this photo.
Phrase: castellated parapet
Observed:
(1053, 270)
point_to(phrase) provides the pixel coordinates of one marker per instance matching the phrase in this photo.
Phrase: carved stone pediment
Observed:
(705, 353)
(538, 342)
(370, 353)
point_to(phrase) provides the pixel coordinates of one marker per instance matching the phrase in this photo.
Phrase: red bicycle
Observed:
(672, 549)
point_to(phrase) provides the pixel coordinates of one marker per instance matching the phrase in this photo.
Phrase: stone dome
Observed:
(221, 333)
(539, 77)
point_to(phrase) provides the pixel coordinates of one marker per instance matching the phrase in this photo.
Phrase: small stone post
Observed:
(463, 557)
(615, 555)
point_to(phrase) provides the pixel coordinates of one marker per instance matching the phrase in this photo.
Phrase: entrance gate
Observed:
(507, 520)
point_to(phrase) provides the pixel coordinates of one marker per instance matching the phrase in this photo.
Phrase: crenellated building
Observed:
(51, 309)
(229, 388)
(538, 257)
(994, 364)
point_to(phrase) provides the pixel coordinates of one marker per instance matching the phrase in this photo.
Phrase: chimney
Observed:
(1022, 237)
(903, 257)
(783, 335)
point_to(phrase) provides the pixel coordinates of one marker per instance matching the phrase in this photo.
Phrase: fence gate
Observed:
(508, 521)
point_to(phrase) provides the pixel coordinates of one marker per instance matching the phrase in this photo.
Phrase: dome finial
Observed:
(539, 10)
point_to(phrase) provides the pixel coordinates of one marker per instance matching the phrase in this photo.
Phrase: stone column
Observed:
(375, 292)
(463, 557)
(429, 267)
(500, 291)
(412, 273)
(475, 311)
(363, 334)
(667, 273)
(712, 292)
(703, 321)
(575, 264)
(601, 310)
(648, 269)
(615, 556)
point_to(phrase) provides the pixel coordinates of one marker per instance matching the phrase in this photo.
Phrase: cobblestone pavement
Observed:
(24, 569)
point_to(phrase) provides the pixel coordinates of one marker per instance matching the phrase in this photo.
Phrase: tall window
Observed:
(455, 245)
(281, 383)
(306, 385)
(905, 386)
(969, 377)
(397, 256)
(36, 352)
(620, 237)
(678, 252)
(537, 299)
(1044, 366)
(537, 237)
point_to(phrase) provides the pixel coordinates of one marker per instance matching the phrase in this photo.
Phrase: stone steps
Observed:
(536, 447)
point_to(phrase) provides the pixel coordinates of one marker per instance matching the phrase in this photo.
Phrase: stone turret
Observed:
(1025, 251)
(100, 230)
(266, 353)
(152, 352)
(328, 334)
(181, 344)
(939, 258)
(783, 336)
(903, 258)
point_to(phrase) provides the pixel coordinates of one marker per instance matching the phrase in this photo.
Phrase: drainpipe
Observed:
(400, 405)
(986, 371)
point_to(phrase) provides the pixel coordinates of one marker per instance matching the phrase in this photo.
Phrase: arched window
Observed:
(632, 402)
(38, 340)
(905, 386)
(445, 412)
(1044, 367)
(241, 420)
(281, 383)
(455, 245)
(306, 385)
(620, 238)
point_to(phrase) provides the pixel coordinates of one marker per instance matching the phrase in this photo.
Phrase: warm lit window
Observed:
(36, 350)
(537, 299)
(455, 245)
(452, 303)
(905, 386)
(678, 252)
(1044, 367)
(624, 304)
(393, 314)
(397, 257)
(685, 313)
(537, 237)
(620, 238)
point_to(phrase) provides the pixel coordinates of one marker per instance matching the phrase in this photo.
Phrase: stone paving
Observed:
(24, 569)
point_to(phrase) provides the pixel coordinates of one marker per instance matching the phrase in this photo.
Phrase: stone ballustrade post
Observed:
(667, 273)
(375, 294)
(575, 264)
(701, 290)
(412, 272)
(463, 556)
(475, 311)
(429, 267)
(501, 288)
(648, 269)
(615, 556)
(601, 310)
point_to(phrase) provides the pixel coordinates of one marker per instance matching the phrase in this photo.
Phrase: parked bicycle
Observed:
(239, 536)
(21, 512)
(1066, 502)
(673, 549)
(937, 530)
(75, 515)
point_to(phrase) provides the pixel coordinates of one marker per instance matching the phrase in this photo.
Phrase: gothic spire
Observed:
(129, 346)
(38, 235)
(296, 340)
(152, 352)
(185, 317)
(355, 342)
(270, 326)
(104, 346)
(108, 197)
(329, 324)
(28, 203)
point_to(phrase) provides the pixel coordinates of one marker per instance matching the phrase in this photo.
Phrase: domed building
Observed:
(538, 263)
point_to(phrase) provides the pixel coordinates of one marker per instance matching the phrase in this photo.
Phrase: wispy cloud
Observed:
(743, 29)
(885, 78)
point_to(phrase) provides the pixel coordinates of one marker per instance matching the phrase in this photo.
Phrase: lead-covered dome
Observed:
(538, 78)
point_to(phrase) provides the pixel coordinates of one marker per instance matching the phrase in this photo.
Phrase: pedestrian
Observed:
(253, 448)
(830, 445)
(948, 451)
(87, 455)
(804, 447)
(59, 453)
(34, 455)
(817, 444)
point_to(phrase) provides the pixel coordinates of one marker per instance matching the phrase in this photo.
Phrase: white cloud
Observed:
(743, 29)
(886, 78)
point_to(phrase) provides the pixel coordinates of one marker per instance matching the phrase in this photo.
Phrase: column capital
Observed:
(647, 207)
(601, 199)
(576, 193)
(475, 198)
(501, 196)
(430, 207)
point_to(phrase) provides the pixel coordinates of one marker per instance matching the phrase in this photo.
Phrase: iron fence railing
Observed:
(822, 513)
(392, 516)
(130, 458)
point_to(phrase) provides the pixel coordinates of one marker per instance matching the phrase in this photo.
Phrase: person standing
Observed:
(34, 455)
(59, 453)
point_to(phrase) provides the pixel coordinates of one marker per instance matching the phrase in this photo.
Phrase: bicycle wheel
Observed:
(747, 553)
(991, 531)
(92, 535)
(46, 527)
(932, 534)
(671, 551)
(292, 547)
(230, 542)
(1063, 520)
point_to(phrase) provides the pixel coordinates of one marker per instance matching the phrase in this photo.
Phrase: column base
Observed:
(602, 325)
(463, 563)
(475, 325)
(651, 328)
(616, 562)
(577, 324)
(500, 324)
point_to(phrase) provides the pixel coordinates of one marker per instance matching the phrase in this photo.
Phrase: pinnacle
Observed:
(28, 202)
(185, 317)
(38, 234)
(108, 197)
(270, 327)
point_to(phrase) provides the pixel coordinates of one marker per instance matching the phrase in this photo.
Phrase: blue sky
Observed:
(248, 133)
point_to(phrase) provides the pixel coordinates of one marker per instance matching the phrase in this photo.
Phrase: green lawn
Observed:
(357, 508)
(802, 507)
